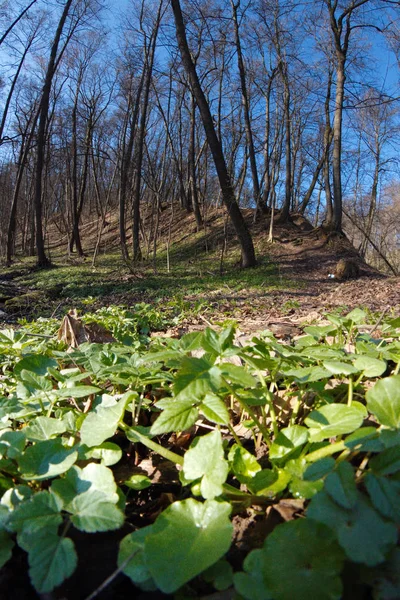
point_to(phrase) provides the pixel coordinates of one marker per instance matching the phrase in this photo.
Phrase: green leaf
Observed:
(302, 560)
(215, 343)
(14, 496)
(102, 423)
(44, 428)
(196, 378)
(320, 331)
(37, 382)
(386, 462)
(36, 364)
(243, 464)
(361, 532)
(371, 367)
(186, 539)
(107, 452)
(138, 482)
(383, 400)
(205, 459)
(302, 488)
(220, 575)
(339, 368)
(46, 459)
(308, 374)
(179, 415)
(77, 391)
(40, 512)
(250, 583)
(77, 481)
(341, 485)
(131, 556)
(238, 375)
(385, 579)
(6, 546)
(51, 559)
(319, 469)
(269, 482)
(92, 512)
(385, 496)
(287, 442)
(332, 420)
(214, 409)
(12, 443)
(357, 316)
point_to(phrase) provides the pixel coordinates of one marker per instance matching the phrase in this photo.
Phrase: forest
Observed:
(199, 299)
(282, 107)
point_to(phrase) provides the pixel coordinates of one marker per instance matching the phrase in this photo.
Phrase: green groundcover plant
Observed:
(316, 419)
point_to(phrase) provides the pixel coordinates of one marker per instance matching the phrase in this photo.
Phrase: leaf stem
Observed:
(111, 578)
(350, 392)
(250, 411)
(134, 436)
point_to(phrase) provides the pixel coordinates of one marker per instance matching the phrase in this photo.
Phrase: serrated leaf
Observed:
(44, 428)
(341, 486)
(195, 378)
(187, 538)
(386, 462)
(332, 420)
(214, 409)
(46, 459)
(51, 559)
(319, 469)
(361, 532)
(40, 512)
(178, 415)
(383, 400)
(102, 423)
(295, 562)
(238, 375)
(206, 460)
(91, 512)
(385, 496)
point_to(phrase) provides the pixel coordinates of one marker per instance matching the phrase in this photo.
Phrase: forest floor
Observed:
(203, 281)
(196, 281)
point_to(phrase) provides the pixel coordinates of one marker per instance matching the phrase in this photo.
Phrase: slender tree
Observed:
(228, 194)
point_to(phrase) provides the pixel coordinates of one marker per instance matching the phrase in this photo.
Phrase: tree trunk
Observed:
(246, 107)
(228, 194)
(42, 260)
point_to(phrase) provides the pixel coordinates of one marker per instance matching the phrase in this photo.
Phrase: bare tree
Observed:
(228, 194)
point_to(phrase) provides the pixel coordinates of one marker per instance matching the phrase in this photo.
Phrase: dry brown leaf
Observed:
(74, 332)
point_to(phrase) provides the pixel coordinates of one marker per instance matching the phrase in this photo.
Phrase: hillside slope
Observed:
(292, 278)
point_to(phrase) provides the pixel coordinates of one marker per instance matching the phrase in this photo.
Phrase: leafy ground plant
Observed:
(87, 433)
